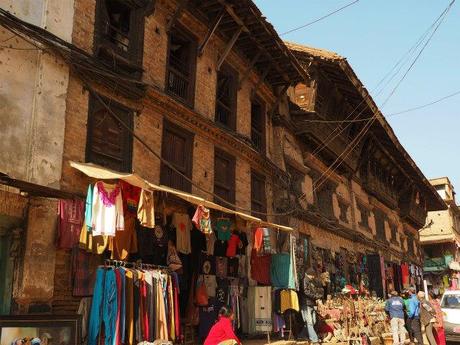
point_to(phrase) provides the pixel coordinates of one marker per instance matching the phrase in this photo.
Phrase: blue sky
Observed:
(373, 35)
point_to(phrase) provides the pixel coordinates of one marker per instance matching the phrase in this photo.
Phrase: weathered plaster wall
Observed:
(33, 88)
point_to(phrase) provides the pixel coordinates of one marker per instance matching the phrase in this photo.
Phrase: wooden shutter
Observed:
(224, 177)
(109, 143)
(177, 149)
(258, 195)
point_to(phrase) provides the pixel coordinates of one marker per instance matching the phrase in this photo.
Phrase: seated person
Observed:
(222, 333)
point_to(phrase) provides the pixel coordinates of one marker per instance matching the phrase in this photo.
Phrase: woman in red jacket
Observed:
(222, 332)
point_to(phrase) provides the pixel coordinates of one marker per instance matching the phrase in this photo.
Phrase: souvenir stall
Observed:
(169, 260)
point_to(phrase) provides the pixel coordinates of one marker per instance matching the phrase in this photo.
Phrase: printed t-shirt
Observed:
(202, 219)
(232, 245)
(70, 223)
(221, 267)
(208, 264)
(232, 267)
(130, 195)
(183, 225)
(221, 291)
(220, 248)
(243, 243)
(223, 229)
(145, 210)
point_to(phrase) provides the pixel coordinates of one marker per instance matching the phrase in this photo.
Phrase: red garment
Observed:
(222, 330)
(143, 308)
(232, 245)
(117, 323)
(70, 222)
(258, 238)
(439, 336)
(176, 308)
(405, 274)
(260, 268)
(130, 195)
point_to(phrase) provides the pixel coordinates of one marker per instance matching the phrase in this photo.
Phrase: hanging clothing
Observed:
(223, 229)
(89, 208)
(131, 195)
(70, 213)
(243, 244)
(260, 268)
(124, 242)
(82, 277)
(289, 300)
(107, 213)
(232, 245)
(202, 219)
(281, 271)
(183, 225)
(146, 210)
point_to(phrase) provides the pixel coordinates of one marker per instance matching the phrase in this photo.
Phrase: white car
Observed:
(450, 305)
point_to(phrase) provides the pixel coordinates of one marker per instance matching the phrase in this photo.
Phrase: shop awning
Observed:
(101, 173)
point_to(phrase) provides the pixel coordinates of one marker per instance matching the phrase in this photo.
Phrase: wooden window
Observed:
(364, 212)
(394, 233)
(108, 142)
(258, 125)
(380, 224)
(180, 74)
(343, 206)
(410, 244)
(177, 149)
(224, 177)
(119, 33)
(296, 179)
(324, 200)
(226, 91)
(258, 195)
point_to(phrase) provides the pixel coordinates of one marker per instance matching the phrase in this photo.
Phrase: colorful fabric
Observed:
(81, 275)
(202, 219)
(131, 195)
(260, 268)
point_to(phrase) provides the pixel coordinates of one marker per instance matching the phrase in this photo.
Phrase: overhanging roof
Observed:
(99, 172)
(338, 70)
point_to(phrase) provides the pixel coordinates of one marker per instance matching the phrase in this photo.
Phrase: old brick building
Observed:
(192, 95)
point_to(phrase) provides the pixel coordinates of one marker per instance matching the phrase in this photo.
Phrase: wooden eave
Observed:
(257, 36)
(339, 71)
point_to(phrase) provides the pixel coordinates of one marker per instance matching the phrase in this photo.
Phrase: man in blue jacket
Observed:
(413, 315)
(394, 306)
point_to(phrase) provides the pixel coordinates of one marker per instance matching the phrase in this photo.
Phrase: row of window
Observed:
(119, 30)
(109, 143)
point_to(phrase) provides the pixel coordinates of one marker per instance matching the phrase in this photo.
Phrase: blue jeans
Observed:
(104, 307)
(309, 318)
(123, 306)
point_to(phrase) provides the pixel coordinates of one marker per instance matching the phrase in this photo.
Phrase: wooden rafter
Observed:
(229, 47)
(180, 7)
(211, 31)
(247, 72)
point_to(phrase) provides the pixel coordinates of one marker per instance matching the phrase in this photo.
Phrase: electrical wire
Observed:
(331, 169)
(321, 18)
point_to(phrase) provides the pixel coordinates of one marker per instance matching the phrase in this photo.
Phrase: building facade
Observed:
(203, 97)
(440, 239)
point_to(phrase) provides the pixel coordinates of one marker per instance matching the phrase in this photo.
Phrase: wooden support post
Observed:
(211, 31)
(176, 15)
(247, 72)
(278, 99)
(229, 47)
(232, 14)
(261, 81)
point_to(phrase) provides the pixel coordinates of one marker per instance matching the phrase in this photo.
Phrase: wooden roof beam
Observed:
(212, 29)
(247, 72)
(177, 13)
(229, 47)
(232, 14)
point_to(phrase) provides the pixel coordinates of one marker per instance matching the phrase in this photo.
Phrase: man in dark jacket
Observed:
(427, 317)
(394, 306)
(311, 291)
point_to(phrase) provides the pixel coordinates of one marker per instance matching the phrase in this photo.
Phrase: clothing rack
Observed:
(138, 264)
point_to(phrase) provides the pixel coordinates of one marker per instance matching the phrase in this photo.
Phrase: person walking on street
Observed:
(427, 317)
(439, 333)
(405, 297)
(413, 315)
(311, 292)
(394, 306)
